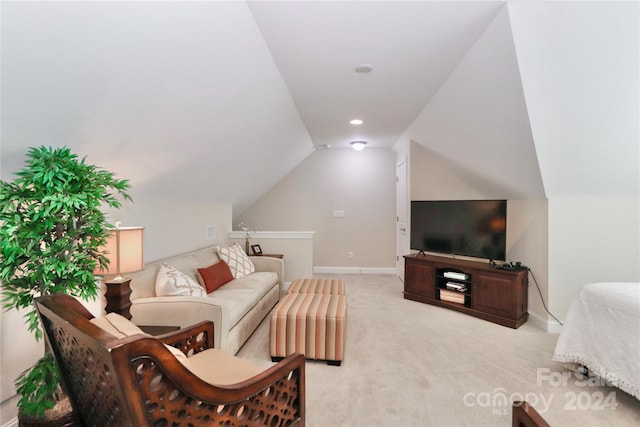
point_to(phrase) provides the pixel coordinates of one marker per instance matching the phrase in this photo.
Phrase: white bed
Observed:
(602, 332)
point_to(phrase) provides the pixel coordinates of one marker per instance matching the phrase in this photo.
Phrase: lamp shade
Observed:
(124, 250)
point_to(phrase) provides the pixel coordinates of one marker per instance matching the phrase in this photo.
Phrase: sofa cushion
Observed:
(220, 368)
(214, 276)
(172, 282)
(238, 261)
(143, 283)
(240, 295)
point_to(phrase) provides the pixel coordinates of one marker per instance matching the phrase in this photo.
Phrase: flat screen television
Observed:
(474, 228)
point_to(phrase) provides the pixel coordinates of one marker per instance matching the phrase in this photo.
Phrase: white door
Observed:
(401, 216)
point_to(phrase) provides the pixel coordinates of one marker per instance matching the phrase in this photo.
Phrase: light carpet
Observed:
(413, 364)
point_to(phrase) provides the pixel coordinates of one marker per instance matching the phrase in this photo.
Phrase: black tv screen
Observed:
(474, 228)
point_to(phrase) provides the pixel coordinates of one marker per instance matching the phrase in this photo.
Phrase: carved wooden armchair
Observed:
(525, 415)
(137, 381)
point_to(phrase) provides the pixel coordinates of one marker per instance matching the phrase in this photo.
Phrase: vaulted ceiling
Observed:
(217, 101)
(412, 47)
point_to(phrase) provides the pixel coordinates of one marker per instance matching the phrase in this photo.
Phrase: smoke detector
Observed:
(364, 68)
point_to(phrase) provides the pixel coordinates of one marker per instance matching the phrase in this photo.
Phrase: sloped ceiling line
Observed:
(579, 63)
(478, 117)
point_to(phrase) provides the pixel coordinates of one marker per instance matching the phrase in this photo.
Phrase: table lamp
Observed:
(124, 251)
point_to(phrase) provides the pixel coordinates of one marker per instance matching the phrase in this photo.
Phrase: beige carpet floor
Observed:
(412, 364)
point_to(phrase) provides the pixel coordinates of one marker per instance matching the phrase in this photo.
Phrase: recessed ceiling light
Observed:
(364, 68)
(358, 145)
(356, 122)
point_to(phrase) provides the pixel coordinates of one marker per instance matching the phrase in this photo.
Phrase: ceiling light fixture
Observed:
(356, 122)
(358, 145)
(364, 68)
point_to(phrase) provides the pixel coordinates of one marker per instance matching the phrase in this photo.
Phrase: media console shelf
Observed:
(471, 287)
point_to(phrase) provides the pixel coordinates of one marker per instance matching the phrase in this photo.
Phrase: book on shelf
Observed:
(451, 296)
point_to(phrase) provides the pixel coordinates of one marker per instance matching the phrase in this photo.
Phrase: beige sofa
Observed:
(236, 309)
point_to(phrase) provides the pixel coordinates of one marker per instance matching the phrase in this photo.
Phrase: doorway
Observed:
(401, 216)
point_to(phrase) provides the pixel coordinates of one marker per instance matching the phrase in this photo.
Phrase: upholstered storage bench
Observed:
(312, 323)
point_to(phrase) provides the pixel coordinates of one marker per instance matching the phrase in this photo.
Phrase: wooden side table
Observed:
(117, 295)
(158, 330)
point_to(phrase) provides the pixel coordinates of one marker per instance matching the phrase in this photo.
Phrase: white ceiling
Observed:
(412, 45)
(580, 70)
(181, 97)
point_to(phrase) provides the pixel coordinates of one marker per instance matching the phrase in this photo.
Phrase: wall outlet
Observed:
(350, 255)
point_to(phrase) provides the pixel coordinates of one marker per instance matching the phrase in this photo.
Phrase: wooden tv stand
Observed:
(496, 295)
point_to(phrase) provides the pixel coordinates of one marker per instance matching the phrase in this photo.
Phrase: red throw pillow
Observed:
(215, 275)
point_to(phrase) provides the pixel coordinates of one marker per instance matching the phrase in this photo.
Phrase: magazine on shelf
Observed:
(451, 296)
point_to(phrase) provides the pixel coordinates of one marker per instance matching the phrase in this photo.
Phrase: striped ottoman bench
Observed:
(317, 286)
(311, 323)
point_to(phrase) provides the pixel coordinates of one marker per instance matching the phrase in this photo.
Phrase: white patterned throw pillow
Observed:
(238, 261)
(172, 282)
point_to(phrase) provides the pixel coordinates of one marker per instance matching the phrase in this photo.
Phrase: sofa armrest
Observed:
(180, 311)
(266, 263)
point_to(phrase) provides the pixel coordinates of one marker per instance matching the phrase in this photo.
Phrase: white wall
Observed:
(436, 178)
(296, 246)
(573, 80)
(181, 97)
(478, 119)
(19, 350)
(580, 62)
(591, 239)
(554, 83)
(362, 184)
(528, 242)
(170, 228)
(159, 93)
(173, 227)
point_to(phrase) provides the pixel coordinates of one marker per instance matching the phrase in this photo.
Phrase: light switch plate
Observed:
(210, 232)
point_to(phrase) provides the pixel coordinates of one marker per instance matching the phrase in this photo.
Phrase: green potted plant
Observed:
(51, 235)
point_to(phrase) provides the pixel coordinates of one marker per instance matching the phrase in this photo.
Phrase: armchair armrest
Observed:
(278, 393)
(288, 375)
(180, 311)
(525, 415)
(191, 340)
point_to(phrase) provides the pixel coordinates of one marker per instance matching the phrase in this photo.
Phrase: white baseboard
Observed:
(550, 326)
(11, 423)
(354, 270)
(553, 327)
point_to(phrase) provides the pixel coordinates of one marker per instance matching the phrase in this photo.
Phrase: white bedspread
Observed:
(602, 332)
